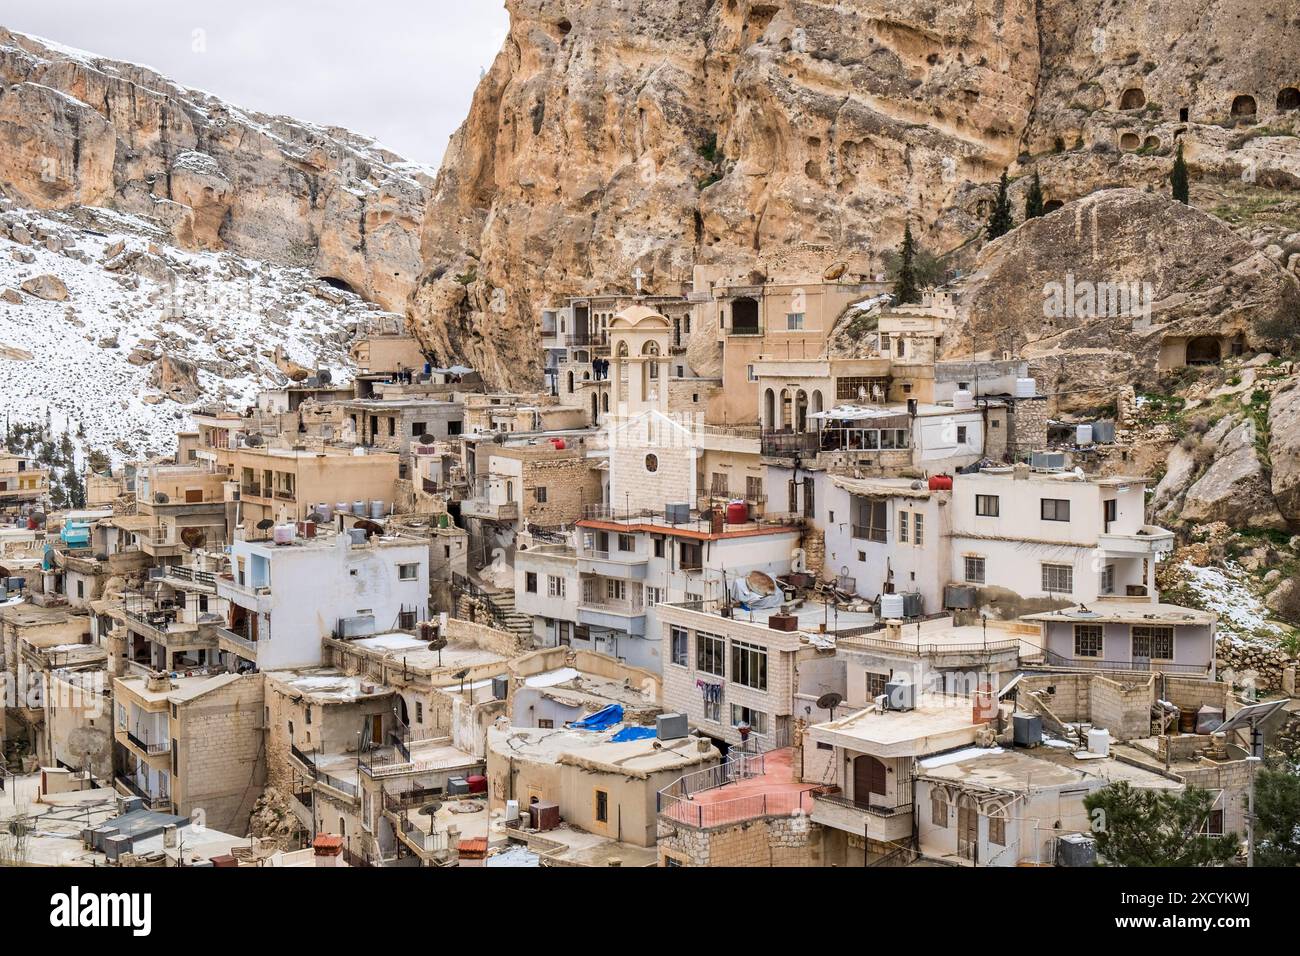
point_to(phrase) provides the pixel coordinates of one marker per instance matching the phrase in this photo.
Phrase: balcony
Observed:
(1147, 542)
(746, 787)
(613, 614)
(506, 511)
(161, 801)
(880, 823)
(625, 565)
(159, 542)
(145, 747)
(790, 444)
(233, 643)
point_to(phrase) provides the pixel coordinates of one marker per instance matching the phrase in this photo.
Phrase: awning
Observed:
(858, 413)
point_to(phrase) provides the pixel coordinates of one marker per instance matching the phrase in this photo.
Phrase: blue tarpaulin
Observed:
(632, 733)
(601, 719)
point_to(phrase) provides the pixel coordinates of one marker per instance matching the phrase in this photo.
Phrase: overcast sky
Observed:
(402, 71)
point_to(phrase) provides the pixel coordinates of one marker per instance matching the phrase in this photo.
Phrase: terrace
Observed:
(746, 787)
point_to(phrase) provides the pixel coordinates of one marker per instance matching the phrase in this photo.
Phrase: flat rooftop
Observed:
(593, 750)
(328, 685)
(413, 652)
(569, 685)
(179, 688)
(939, 723)
(1107, 611)
(996, 769)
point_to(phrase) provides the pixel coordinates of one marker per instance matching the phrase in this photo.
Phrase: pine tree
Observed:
(1034, 201)
(1178, 178)
(1136, 827)
(1000, 223)
(905, 289)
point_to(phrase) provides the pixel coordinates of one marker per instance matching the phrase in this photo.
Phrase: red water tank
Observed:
(737, 512)
(31, 524)
(940, 483)
(477, 783)
(558, 444)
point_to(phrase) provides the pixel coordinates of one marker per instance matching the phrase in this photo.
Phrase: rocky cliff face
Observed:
(773, 134)
(77, 129)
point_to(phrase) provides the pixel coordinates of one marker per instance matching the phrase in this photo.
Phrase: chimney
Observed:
(169, 837)
(329, 850)
(1020, 471)
(893, 630)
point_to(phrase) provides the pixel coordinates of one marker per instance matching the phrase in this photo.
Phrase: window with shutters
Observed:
(998, 829)
(938, 809)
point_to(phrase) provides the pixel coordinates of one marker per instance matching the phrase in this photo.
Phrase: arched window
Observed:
(604, 402)
(570, 383)
(769, 409)
(622, 350)
(1244, 106)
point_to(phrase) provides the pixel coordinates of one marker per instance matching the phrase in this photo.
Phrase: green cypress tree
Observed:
(905, 289)
(1178, 178)
(1000, 223)
(1034, 201)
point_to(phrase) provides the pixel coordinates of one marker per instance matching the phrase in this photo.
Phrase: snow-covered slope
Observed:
(91, 360)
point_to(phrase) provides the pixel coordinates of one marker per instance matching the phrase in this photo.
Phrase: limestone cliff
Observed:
(770, 134)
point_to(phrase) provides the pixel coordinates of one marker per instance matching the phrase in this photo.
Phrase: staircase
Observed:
(496, 609)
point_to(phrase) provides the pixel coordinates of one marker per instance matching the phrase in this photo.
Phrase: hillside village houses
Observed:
(757, 577)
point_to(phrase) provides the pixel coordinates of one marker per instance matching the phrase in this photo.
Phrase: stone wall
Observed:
(1123, 709)
(766, 842)
(222, 760)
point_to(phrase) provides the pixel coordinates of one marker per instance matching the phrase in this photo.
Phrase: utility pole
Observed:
(1251, 761)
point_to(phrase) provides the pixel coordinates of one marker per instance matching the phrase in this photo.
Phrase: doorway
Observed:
(968, 828)
(869, 776)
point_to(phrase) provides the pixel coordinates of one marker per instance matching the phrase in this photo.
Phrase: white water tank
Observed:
(358, 452)
(963, 400)
(284, 534)
(342, 508)
(1026, 388)
(1083, 435)
(892, 606)
(1099, 742)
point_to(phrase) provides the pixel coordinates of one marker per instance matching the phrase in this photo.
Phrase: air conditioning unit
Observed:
(901, 695)
(671, 726)
(1076, 849)
(882, 702)
(1026, 729)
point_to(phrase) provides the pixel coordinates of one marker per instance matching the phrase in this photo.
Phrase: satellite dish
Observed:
(266, 524)
(830, 702)
(316, 518)
(193, 537)
(427, 439)
(324, 376)
(429, 809)
(253, 441)
(161, 498)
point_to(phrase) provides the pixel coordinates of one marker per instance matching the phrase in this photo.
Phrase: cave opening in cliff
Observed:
(1243, 106)
(1288, 98)
(1204, 350)
(343, 285)
(1052, 205)
(1129, 141)
(1133, 99)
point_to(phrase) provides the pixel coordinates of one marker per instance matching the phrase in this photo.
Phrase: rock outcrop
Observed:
(48, 287)
(1089, 292)
(1284, 450)
(1234, 488)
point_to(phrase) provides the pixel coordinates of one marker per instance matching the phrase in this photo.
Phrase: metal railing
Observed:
(676, 801)
(463, 585)
(157, 747)
(840, 800)
(151, 801)
(917, 649)
(1053, 659)
(786, 444)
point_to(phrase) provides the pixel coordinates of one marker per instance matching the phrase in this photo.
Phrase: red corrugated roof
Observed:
(474, 848)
